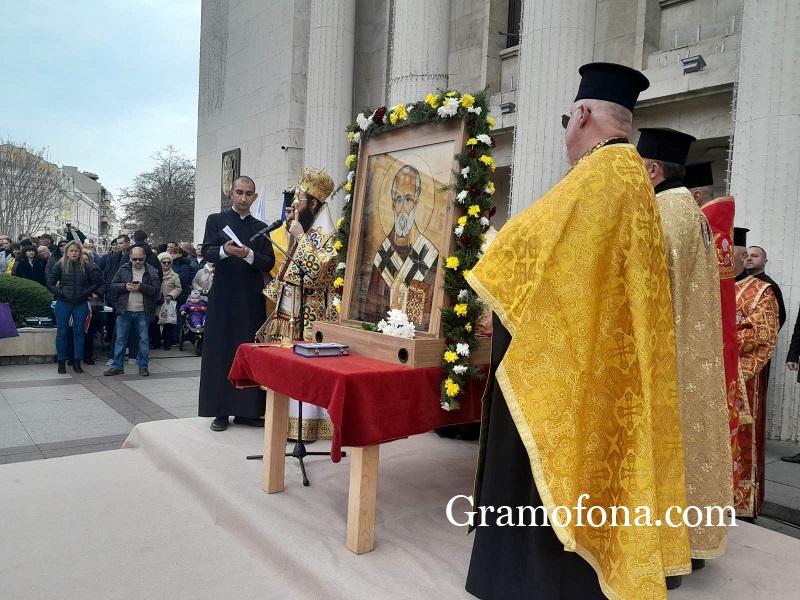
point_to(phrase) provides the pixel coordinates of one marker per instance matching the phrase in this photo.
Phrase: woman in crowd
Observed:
(30, 266)
(170, 290)
(73, 280)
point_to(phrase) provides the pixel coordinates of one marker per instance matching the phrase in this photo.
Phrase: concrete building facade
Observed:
(281, 79)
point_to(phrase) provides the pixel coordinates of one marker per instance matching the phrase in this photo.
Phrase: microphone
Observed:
(267, 230)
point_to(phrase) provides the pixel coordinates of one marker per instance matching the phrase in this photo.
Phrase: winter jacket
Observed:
(75, 285)
(34, 272)
(182, 267)
(150, 257)
(151, 289)
(170, 285)
(203, 280)
(114, 261)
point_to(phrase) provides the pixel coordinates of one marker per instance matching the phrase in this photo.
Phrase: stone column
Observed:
(765, 178)
(418, 49)
(557, 37)
(329, 97)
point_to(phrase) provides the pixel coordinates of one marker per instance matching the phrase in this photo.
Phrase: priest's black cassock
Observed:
(235, 312)
(516, 562)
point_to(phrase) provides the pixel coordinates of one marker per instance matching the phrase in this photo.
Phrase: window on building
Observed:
(514, 18)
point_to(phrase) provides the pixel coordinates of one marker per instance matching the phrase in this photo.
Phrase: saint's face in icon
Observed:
(406, 187)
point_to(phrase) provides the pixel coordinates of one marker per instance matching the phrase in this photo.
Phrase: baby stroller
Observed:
(194, 324)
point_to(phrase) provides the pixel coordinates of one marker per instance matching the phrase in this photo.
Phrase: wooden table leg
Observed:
(361, 500)
(276, 426)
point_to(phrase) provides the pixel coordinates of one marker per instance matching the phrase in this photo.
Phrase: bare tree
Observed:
(161, 201)
(31, 189)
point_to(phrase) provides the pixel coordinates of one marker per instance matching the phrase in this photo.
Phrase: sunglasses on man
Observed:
(137, 260)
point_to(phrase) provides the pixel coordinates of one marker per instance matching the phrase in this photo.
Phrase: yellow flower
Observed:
(393, 118)
(467, 100)
(348, 187)
(462, 221)
(450, 94)
(338, 308)
(471, 142)
(339, 223)
(338, 282)
(337, 245)
(490, 188)
(491, 122)
(460, 310)
(400, 111)
(350, 136)
(450, 356)
(452, 262)
(432, 100)
(466, 273)
(348, 162)
(468, 327)
(451, 388)
(488, 161)
(474, 210)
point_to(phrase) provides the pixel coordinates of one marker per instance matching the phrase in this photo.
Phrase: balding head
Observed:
(593, 121)
(702, 194)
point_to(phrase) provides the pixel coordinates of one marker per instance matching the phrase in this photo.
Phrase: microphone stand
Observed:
(299, 450)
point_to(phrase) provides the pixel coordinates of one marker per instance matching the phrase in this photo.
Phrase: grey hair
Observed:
(417, 179)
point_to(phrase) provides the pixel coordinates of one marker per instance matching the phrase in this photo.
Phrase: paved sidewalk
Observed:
(44, 414)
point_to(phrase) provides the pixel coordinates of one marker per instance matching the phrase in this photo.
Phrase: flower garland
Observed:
(474, 189)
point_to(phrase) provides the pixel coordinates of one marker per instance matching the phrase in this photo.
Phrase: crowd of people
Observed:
(132, 296)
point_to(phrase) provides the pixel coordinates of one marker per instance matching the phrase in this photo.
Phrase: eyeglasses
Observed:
(166, 262)
(137, 259)
(566, 117)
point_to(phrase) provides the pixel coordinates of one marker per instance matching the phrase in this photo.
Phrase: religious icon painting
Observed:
(402, 224)
(231, 169)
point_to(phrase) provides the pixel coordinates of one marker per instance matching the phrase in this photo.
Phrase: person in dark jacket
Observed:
(182, 265)
(793, 364)
(134, 293)
(30, 266)
(151, 258)
(74, 234)
(73, 280)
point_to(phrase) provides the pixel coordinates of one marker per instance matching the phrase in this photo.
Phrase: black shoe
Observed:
(698, 563)
(144, 372)
(112, 371)
(219, 424)
(791, 459)
(257, 422)
(88, 361)
(62, 367)
(674, 582)
(76, 366)
(167, 347)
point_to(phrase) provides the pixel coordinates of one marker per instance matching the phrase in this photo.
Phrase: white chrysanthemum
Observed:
(449, 108)
(465, 172)
(463, 295)
(460, 369)
(475, 109)
(409, 108)
(357, 136)
(336, 301)
(462, 349)
(397, 317)
(484, 139)
(362, 121)
(459, 231)
(484, 222)
(341, 266)
(347, 198)
(461, 196)
(351, 176)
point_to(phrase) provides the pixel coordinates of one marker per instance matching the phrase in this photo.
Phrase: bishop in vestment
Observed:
(583, 398)
(235, 307)
(313, 232)
(757, 323)
(696, 308)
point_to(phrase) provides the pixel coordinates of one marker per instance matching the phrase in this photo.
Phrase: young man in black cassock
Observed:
(235, 307)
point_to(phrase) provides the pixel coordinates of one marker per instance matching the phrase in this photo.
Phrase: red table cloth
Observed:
(369, 401)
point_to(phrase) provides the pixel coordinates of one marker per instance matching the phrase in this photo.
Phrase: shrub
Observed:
(27, 298)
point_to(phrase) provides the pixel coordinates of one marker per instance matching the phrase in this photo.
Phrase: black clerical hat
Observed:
(288, 198)
(698, 175)
(664, 144)
(611, 82)
(740, 236)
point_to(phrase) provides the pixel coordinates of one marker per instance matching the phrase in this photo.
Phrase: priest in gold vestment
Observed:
(757, 325)
(697, 311)
(583, 390)
(312, 247)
